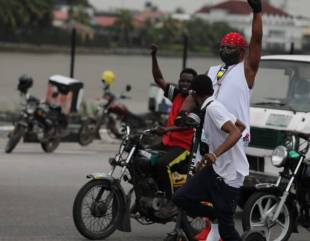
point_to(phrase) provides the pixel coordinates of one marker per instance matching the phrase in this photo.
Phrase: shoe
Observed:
(210, 233)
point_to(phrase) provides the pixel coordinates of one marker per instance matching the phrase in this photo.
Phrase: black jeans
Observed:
(221, 201)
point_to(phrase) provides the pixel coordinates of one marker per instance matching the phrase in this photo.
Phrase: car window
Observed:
(282, 84)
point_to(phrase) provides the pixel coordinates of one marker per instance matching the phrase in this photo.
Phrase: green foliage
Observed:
(202, 33)
(25, 14)
(78, 12)
(123, 26)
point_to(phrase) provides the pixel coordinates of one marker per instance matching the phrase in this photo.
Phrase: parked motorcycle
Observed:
(111, 114)
(102, 205)
(277, 209)
(43, 120)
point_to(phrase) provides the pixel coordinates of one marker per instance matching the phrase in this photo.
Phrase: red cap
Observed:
(234, 38)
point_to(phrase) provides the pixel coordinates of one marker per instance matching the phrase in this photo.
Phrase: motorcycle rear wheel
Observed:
(50, 145)
(86, 133)
(90, 207)
(14, 138)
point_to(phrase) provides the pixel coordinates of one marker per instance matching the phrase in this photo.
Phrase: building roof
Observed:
(60, 15)
(105, 21)
(242, 8)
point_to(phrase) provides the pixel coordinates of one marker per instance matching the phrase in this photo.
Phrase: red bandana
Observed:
(234, 38)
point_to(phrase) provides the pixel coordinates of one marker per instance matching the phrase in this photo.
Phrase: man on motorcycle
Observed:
(214, 191)
(177, 144)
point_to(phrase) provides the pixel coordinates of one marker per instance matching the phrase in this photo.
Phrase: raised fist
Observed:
(256, 5)
(154, 49)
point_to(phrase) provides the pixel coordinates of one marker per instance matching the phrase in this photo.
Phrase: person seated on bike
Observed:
(214, 191)
(177, 144)
(107, 79)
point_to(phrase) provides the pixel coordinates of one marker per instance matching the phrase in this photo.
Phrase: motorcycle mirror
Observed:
(128, 88)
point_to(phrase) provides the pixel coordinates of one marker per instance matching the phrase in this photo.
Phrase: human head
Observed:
(186, 77)
(201, 88)
(232, 48)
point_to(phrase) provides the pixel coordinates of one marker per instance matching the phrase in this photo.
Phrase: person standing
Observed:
(214, 191)
(234, 79)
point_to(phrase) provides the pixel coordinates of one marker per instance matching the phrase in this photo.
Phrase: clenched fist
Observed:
(154, 49)
(256, 5)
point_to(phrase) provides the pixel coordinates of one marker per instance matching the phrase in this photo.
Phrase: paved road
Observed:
(37, 191)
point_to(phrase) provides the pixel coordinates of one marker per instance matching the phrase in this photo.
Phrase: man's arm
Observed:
(157, 75)
(240, 125)
(234, 135)
(189, 104)
(255, 47)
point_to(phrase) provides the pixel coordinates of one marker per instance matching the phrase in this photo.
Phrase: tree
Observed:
(124, 25)
(205, 35)
(170, 30)
(179, 10)
(148, 34)
(25, 14)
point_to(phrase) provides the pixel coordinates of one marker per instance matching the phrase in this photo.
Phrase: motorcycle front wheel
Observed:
(97, 209)
(258, 213)
(14, 138)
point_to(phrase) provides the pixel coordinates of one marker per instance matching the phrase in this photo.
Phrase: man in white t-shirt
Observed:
(214, 191)
(234, 79)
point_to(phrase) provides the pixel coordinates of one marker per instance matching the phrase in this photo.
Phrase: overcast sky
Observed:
(297, 7)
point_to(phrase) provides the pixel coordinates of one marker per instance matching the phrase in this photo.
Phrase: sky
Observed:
(296, 7)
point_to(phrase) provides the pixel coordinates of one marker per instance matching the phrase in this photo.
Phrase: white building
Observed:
(280, 28)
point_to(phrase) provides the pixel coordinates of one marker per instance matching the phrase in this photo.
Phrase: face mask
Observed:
(230, 56)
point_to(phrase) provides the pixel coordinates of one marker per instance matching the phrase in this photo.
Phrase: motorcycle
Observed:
(111, 114)
(101, 206)
(277, 209)
(45, 121)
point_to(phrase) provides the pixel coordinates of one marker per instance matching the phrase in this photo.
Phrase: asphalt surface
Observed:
(37, 192)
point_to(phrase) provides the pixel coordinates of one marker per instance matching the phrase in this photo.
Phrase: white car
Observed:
(280, 103)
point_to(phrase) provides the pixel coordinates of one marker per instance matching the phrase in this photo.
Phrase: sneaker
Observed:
(210, 233)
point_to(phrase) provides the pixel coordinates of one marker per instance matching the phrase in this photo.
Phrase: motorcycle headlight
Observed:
(278, 156)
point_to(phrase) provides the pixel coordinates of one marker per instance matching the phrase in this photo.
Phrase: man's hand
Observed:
(256, 5)
(208, 159)
(160, 130)
(154, 49)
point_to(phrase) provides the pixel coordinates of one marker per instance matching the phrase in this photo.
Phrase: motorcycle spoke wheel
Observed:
(96, 214)
(96, 210)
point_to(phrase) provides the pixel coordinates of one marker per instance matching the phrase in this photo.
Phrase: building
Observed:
(280, 28)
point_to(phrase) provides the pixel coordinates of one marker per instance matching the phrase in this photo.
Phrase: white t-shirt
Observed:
(232, 165)
(234, 93)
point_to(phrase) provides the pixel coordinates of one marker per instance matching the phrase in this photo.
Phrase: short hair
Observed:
(202, 85)
(189, 71)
